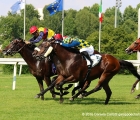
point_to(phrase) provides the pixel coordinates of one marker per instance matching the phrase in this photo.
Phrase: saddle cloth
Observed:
(95, 58)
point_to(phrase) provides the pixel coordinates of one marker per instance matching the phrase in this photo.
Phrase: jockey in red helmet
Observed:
(85, 48)
(39, 34)
(58, 37)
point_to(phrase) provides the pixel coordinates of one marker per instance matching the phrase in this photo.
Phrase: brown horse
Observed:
(41, 70)
(75, 67)
(134, 47)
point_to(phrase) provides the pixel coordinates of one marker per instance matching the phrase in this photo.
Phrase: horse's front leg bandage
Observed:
(48, 51)
(37, 49)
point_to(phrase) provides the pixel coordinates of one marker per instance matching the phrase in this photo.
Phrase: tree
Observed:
(130, 13)
(31, 12)
(95, 10)
(85, 23)
(69, 23)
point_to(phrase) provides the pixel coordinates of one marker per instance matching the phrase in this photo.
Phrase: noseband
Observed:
(136, 47)
(12, 52)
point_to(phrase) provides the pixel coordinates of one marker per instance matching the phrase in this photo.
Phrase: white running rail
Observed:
(20, 61)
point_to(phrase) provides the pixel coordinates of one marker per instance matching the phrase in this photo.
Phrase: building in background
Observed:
(40, 11)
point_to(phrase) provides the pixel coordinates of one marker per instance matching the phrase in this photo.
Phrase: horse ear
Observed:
(17, 40)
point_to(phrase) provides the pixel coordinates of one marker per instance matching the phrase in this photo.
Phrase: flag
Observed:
(22, 5)
(15, 7)
(55, 7)
(100, 12)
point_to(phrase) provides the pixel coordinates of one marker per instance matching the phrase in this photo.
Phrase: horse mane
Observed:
(30, 46)
(73, 50)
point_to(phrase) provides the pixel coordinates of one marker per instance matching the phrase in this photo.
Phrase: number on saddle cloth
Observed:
(95, 58)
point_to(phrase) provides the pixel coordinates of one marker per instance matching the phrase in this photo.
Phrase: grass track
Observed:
(20, 104)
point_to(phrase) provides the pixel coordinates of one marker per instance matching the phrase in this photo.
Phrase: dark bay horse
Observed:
(75, 67)
(134, 47)
(41, 70)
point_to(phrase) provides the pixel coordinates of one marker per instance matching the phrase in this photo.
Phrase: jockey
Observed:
(39, 34)
(85, 48)
(58, 37)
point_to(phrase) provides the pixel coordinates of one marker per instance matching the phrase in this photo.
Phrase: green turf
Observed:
(20, 104)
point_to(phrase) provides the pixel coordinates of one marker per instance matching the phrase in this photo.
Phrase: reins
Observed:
(21, 47)
(14, 52)
(137, 47)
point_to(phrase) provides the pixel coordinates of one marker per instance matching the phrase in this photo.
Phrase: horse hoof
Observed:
(84, 95)
(138, 96)
(42, 97)
(80, 96)
(71, 99)
(61, 101)
(53, 96)
(37, 96)
(132, 91)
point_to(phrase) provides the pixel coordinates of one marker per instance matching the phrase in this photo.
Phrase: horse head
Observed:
(134, 47)
(14, 47)
(42, 49)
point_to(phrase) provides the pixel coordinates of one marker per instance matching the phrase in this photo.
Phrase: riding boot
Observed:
(85, 53)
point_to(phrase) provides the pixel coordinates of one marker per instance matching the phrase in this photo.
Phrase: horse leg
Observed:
(71, 78)
(52, 90)
(134, 85)
(40, 83)
(62, 82)
(108, 92)
(85, 86)
(68, 79)
(97, 88)
(61, 95)
(75, 88)
(68, 87)
(79, 86)
(48, 82)
(44, 91)
(105, 77)
(138, 96)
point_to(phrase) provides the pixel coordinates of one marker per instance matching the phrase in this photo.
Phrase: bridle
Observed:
(46, 45)
(136, 47)
(11, 50)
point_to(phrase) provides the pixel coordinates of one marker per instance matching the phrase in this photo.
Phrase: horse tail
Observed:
(129, 66)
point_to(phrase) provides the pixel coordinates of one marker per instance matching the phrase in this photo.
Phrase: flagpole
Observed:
(62, 17)
(24, 17)
(100, 22)
(99, 36)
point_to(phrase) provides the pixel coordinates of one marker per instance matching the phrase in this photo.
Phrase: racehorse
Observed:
(134, 47)
(41, 70)
(75, 67)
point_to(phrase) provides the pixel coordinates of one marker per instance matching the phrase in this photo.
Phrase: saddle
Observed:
(96, 58)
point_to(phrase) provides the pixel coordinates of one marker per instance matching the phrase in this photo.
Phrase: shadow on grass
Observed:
(89, 101)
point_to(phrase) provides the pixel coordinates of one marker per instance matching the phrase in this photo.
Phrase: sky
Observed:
(74, 4)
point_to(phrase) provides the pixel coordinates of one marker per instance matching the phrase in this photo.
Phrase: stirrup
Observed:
(89, 66)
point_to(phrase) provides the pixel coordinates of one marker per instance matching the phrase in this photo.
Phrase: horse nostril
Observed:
(33, 54)
(126, 50)
(4, 52)
(37, 57)
(42, 57)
